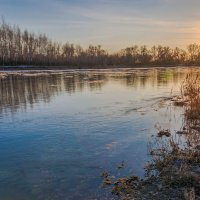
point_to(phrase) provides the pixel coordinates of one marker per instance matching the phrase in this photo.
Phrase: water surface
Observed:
(59, 131)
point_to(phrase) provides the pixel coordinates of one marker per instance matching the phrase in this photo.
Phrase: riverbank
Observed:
(174, 169)
(100, 67)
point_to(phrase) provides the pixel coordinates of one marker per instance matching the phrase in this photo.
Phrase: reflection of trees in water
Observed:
(151, 78)
(22, 90)
(78, 82)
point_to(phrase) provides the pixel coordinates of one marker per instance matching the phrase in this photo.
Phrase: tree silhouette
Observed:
(19, 47)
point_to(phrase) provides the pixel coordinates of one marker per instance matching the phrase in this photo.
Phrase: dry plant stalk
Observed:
(191, 94)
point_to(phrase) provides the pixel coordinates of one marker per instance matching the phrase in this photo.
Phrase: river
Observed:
(60, 130)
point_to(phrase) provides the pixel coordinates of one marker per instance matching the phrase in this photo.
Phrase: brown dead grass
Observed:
(191, 95)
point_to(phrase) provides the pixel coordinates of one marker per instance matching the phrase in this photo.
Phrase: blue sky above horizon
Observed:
(112, 23)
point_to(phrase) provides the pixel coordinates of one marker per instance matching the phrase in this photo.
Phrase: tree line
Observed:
(21, 47)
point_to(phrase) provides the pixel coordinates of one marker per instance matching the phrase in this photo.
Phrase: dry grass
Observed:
(191, 95)
(174, 163)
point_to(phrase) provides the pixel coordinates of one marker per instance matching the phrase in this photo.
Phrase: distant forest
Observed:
(19, 47)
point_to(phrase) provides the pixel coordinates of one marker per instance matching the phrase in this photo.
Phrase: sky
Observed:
(115, 24)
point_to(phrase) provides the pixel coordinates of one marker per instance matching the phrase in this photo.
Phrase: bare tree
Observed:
(18, 47)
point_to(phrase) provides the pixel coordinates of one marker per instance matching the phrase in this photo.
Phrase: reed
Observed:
(191, 95)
